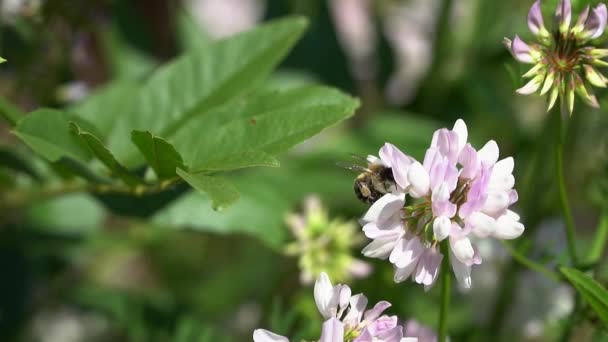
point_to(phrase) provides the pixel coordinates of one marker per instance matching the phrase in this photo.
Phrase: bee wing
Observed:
(352, 167)
(359, 158)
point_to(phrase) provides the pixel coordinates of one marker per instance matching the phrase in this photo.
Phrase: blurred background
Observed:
(80, 267)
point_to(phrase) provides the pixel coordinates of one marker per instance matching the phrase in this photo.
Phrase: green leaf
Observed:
(2, 60)
(160, 154)
(271, 122)
(124, 60)
(259, 212)
(104, 155)
(105, 105)
(194, 83)
(593, 293)
(46, 131)
(221, 192)
(9, 112)
(239, 161)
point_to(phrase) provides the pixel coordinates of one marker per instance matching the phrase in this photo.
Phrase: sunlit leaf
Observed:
(160, 154)
(104, 155)
(221, 192)
(593, 293)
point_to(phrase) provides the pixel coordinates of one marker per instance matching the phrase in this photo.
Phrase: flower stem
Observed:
(445, 292)
(561, 181)
(531, 264)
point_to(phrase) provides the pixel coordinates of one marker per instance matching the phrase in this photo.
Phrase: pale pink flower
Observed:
(346, 315)
(457, 193)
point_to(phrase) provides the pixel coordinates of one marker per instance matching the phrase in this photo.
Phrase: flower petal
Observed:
(325, 296)
(522, 51)
(384, 208)
(261, 335)
(461, 271)
(508, 226)
(358, 303)
(532, 86)
(489, 153)
(563, 15)
(462, 249)
(419, 181)
(379, 248)
(441, 227)
(375, 312)
(535, 19)
(406, 252)
(332, 331)
(398, 161)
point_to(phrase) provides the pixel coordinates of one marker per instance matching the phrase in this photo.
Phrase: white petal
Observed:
(345, 293)
(380, 248)
(461, 130)
(419, 180)
(482, 225)
(402, 274)
(388, 229)
(461, 271)
(502, 178)
(489, 152)
(462, 249)
(324, 296)
(384, 208)
(441, 227)
(496, 203)
(507, 227)
(332, 331)
(406, 252)
(261, 335)
(358, 303)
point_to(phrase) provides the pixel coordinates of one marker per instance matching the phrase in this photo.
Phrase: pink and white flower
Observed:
(346, 317)
(456, 193)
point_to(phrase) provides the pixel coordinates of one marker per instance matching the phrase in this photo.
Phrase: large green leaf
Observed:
(259, 212)
(593, 293)
(194, 83)
(104, 155)
(221, 192)
(270, 121)
(47, 132)
(160, 154)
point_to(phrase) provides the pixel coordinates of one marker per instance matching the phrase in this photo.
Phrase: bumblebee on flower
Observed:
(565, 59)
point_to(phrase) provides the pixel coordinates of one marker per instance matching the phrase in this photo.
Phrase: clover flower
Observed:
(564, 60)
(323, 244)
(346, 318)
(456, 193)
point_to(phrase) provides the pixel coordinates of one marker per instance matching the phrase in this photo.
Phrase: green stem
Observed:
(531, 264)
(22, 197)
(561, 181)
(600, 239)
(445, 292)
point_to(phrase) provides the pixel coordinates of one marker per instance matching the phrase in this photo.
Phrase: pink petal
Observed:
(535, 18)
(563, 15)
(398, 161)
(521, 51)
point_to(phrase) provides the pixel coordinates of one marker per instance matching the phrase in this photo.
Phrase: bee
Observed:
(374, 180)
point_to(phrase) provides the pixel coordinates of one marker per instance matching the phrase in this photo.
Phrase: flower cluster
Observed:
(561, 56)
(348, 320)
(456, 193)
(324, 245)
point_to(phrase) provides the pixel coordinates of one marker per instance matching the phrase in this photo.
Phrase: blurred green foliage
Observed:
(151, 259)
